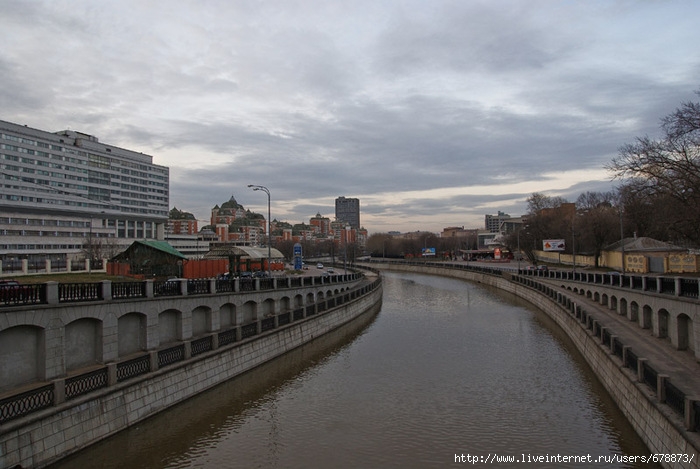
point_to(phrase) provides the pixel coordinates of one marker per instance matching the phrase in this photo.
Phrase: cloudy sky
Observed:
(432, 112)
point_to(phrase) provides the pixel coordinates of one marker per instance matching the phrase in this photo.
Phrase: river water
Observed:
(447, 371)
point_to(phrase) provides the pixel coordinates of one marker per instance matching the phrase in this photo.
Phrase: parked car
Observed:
(13, 290)
(330, 270)
(9, 285)
(319, 266)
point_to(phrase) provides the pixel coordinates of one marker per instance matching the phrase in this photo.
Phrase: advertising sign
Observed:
(428, 251)
(553, 245)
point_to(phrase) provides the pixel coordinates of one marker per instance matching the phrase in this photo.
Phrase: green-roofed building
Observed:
(152, 259)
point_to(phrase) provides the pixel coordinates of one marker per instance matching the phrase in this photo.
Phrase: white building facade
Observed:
(66, 196)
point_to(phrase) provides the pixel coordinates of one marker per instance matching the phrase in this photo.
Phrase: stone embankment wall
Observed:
(48, 435)
(660, 428)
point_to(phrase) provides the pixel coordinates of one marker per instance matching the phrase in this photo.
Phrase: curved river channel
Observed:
(446, 372)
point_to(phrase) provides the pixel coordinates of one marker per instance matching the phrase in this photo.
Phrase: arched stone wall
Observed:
(268, 307)
(662, 324)
(248, 312)
(647, 314)
(22, 349)
(201, 321)
(131, 332)
(83, 343)
(169, 326)
(227, 315)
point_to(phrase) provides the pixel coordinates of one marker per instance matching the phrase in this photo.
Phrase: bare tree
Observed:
(598, 222)
(668, 168)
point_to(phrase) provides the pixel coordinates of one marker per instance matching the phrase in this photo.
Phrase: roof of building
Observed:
(161, 246)
(642, 244)
(244, 251)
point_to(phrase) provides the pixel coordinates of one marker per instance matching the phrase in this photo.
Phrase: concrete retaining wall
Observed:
(49, 435)
(658, 426)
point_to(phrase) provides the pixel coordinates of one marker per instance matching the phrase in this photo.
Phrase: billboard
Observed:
(553, 245)
(428, 251)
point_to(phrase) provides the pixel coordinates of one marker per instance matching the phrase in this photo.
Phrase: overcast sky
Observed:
(433, 113)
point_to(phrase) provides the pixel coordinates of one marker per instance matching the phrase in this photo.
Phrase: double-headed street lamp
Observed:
(269, 226)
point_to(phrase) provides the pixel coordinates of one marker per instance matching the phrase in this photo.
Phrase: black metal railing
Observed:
(84, 383)
(76, 292)
(167, 288)
(198, 287)
(122, 290)
(171, 355)
(25, 403)
(22, 294)
(249, 330)
(689, 288)
(227, 337)
(79, 292)
(134, 367)
(675, 398)
(201, 345)
(267, 324)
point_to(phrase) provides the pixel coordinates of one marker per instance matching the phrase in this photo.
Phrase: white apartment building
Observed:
(66, 196)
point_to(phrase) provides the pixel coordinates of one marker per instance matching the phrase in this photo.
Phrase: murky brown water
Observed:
(446, 369)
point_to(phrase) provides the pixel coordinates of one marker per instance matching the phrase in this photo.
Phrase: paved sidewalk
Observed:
(680, 365)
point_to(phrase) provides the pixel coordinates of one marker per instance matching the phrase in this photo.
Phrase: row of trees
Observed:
(658, 197)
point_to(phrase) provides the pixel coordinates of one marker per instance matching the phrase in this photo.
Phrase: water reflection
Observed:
(447, 368)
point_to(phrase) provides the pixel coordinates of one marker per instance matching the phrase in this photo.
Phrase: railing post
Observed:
(52, 293)
(153, 358)
(640, 369)
(677, 286)
(149, 288)
(661, 387)
(689, 417)
(188, 349)
(625, 348)
(59, 391)
(658, 284)
(111, 374)
(107, 290)
(183, 287)
(212, 285)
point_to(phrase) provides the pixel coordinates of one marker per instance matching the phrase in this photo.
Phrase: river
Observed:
(446, 372)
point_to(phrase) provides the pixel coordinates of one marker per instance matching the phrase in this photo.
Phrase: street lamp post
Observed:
(90, 248)
(269, 226)
(519, 256)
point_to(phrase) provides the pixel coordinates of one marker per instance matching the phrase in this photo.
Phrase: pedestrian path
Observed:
(680, 365)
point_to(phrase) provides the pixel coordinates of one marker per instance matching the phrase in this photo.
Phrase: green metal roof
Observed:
(162, 246)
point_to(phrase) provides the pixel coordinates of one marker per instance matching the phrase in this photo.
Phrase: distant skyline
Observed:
(432, 113)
